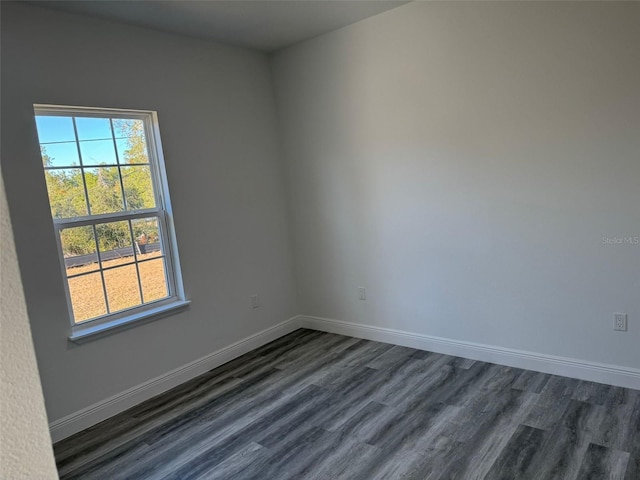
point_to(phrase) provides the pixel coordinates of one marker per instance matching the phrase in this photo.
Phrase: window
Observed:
(111, 212)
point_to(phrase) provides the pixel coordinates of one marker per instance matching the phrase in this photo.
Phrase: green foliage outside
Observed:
(104, 189)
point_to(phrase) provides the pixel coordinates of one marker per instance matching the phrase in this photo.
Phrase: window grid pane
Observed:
(65, 188)
(84, 183)
(87, 297)
(135, 256)
(150, 271)
(124, 193)
(123, 287)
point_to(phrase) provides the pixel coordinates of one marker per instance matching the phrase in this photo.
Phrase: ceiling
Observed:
(265, 25)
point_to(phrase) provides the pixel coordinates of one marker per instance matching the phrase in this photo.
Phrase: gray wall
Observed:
(463, 161)
(25, 449)
(217, 120)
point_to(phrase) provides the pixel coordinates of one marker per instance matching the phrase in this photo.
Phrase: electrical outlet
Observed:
(620, 322)
(255, 301)
(362, 293)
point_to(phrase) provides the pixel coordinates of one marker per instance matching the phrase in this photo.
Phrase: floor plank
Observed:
(315, 405)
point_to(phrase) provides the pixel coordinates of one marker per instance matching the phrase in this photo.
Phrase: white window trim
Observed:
(90, 329)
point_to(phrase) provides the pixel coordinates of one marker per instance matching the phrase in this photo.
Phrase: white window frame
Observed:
(163, 212)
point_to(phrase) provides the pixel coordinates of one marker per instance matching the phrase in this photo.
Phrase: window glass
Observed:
(99, 176)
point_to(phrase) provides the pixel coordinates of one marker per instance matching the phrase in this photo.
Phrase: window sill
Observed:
(85, 333)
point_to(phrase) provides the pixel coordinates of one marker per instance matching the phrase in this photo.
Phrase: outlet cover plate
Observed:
(255, 301)
(620, 322)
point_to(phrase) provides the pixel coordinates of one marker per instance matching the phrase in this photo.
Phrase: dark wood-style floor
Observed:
(313, 405)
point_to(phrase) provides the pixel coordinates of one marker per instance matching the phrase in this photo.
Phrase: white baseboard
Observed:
(567, 367)
(100, 411)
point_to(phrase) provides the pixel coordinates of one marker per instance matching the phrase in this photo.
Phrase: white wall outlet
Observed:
(255, 301)
(362, 293)
(620, 322)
